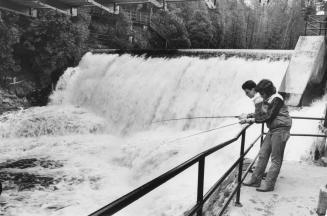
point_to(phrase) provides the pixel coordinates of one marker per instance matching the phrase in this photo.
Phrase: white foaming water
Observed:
(301, 148)
(132, 92)
(108, 96)
(52, 120)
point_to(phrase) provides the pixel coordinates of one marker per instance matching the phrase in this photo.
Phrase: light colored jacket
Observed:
(257, 100)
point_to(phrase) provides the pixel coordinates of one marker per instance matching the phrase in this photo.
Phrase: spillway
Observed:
(98, 129)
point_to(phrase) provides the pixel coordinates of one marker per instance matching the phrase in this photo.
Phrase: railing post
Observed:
(319, 28)
(164, 5)
(262, 131)
(151, 13)
(200, 185)
(305, 29)
(240, 169)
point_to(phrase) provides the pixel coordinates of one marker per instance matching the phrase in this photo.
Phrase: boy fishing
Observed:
(249, 90)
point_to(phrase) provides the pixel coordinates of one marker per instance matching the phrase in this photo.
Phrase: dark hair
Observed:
(266, 86)
(250, 84)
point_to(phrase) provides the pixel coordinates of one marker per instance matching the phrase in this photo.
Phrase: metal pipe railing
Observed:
(315, 26)
(151, 185)
(307, 118)
(240, 167)
(200, 185)
(221, 213)
(223, 178)
(134, 195)
(262, 132)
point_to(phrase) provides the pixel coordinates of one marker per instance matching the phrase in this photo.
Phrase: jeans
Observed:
(274, 144)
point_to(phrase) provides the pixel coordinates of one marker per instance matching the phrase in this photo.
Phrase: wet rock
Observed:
(22, 164)
(324, 160)
(321, 162)
(24, 181)
(50, 164)
(31, 162)
(14, 177)
(56, 207)
(10, 102)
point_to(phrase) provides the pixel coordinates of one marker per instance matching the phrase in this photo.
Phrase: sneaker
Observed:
(252, 183)
(265, 188)
(264, 176)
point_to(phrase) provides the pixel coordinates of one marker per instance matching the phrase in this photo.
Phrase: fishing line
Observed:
(202, 132)
(197, 117)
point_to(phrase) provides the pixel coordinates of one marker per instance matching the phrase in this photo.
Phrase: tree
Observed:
(111, 30)
(9, 35)
(200, 30)
(51, 44)
(171, 28)
(43, 48)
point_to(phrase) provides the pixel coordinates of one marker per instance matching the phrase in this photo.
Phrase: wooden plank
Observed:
(64, 11)
(70, 3)
(25, 3)
(30, 13)
(156, 3)
(106, 8)
(13, 4)
(17, 8)
(172, 1)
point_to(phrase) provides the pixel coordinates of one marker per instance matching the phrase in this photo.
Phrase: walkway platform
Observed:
(296, 193)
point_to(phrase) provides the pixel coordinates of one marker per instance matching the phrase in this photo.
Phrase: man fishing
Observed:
(275, 114)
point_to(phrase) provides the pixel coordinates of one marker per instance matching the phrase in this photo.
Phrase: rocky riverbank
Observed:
(10, 102)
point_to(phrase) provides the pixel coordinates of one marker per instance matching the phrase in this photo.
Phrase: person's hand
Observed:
(242, 116)
(245, 121)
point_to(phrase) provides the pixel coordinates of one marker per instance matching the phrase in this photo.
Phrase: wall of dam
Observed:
(252, 54)
(305, 75)
(303, 81)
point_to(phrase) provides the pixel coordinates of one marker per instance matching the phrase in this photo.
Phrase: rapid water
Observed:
(131, 92)
(99, 127)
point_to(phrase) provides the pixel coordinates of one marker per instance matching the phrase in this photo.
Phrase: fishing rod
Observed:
(206, 131)
(196, 117)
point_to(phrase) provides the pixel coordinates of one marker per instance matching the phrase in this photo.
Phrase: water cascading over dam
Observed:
(98, 129)
(131, 92)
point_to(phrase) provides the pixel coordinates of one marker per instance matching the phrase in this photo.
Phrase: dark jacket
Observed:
(274, 113)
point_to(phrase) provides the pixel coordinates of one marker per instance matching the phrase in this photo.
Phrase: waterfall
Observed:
(98, 134)
(131, 92)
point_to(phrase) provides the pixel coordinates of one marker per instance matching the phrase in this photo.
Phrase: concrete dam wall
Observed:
(303, 80)
(305, 74)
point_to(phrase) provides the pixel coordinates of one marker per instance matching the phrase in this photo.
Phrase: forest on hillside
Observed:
(38, 50)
